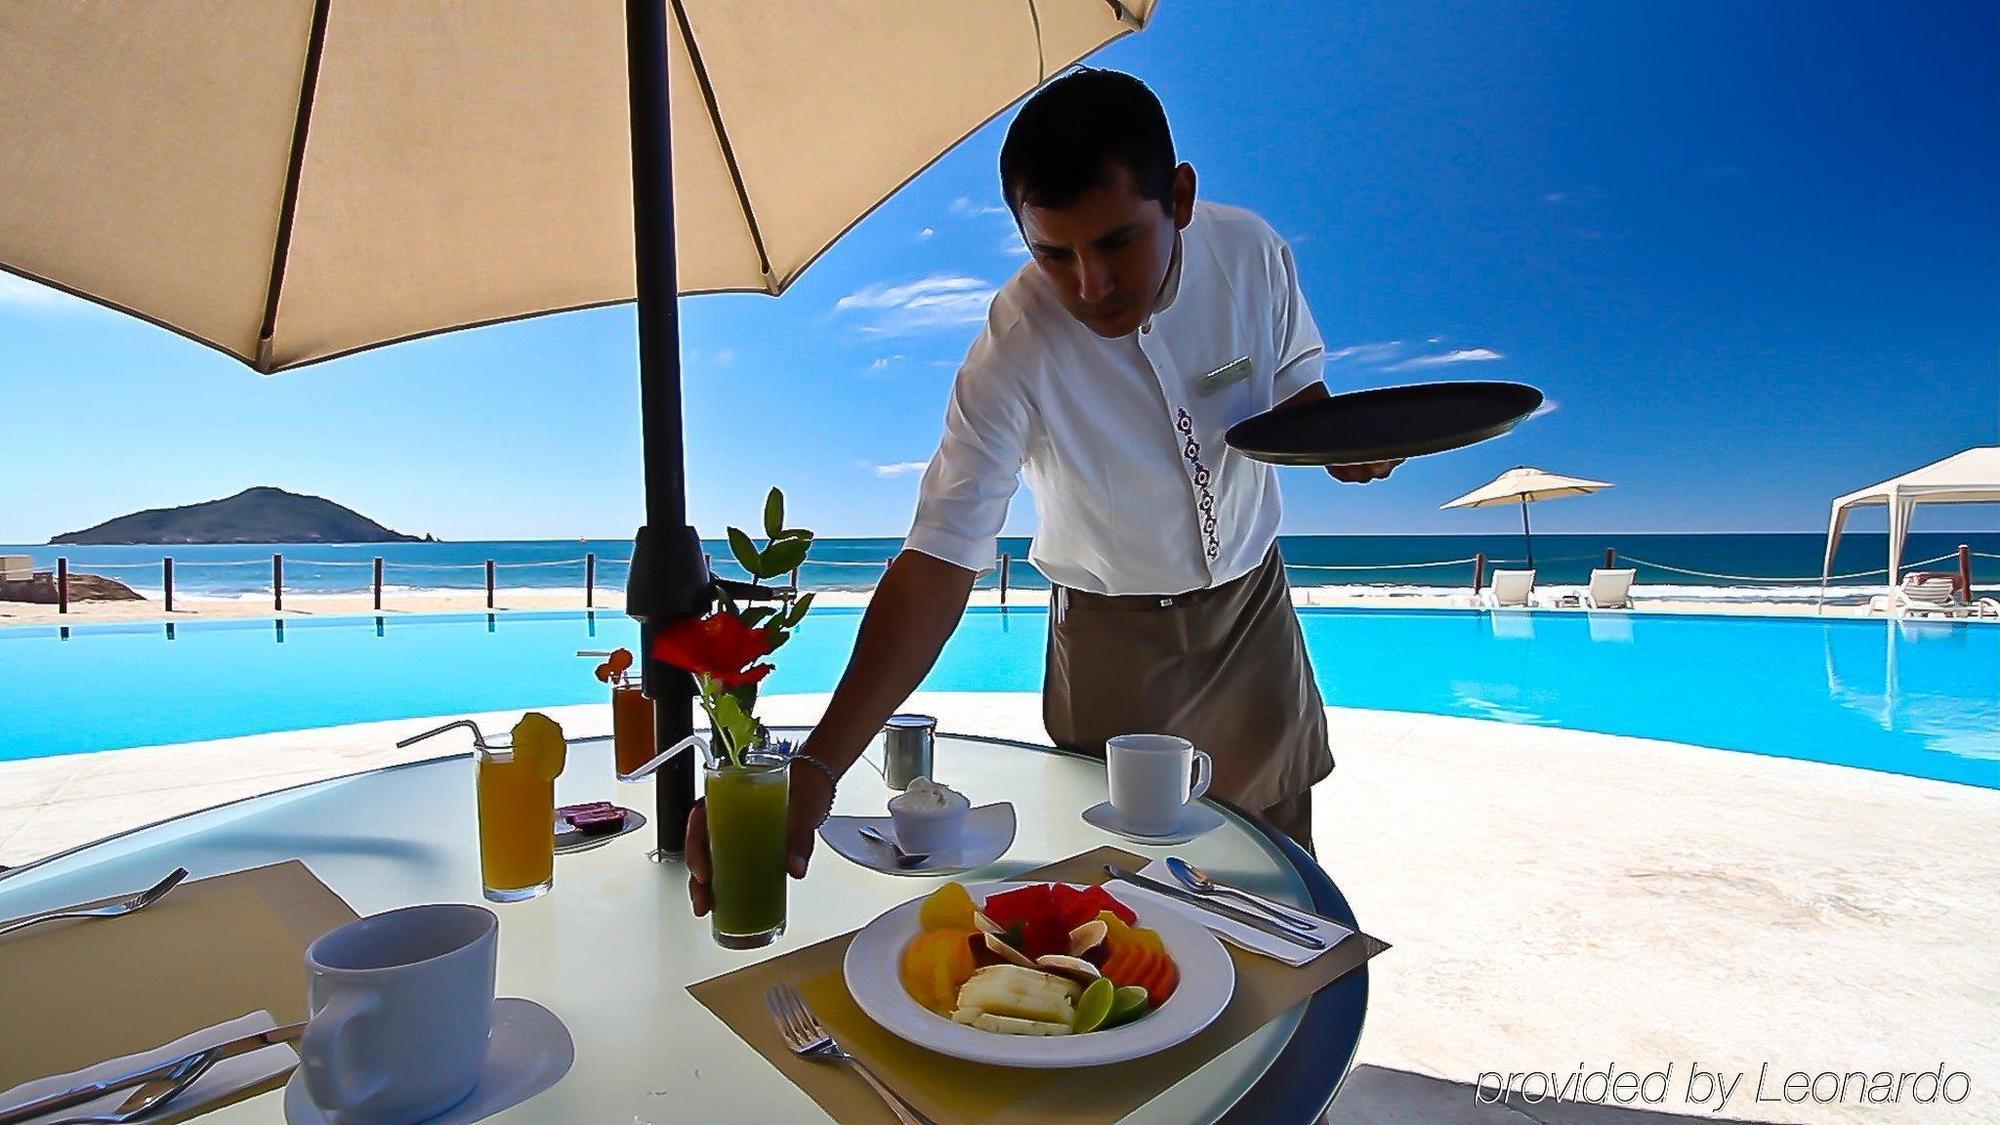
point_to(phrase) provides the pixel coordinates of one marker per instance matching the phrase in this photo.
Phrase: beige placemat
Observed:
(210, 951)
(953, 1090)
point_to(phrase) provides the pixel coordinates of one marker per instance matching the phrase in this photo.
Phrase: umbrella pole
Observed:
(668, 580)
(1527, 536)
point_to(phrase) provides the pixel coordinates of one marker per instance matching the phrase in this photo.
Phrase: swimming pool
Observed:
(1916, 698)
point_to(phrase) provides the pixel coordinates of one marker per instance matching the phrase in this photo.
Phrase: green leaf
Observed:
(778, 639)
(744, 550)
(784, 556)
(798, 611)
(738, 728)
(774, 514)
(755, 614)
(795, 533)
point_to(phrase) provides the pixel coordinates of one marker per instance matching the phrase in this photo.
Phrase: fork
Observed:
(125, 905)
(809, 1039)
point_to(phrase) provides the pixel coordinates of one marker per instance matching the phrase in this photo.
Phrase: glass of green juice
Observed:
(747, 807)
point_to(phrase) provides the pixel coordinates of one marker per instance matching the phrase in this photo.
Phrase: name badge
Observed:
(1229, 374)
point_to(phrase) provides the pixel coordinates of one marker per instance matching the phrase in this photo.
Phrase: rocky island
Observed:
(255, 515)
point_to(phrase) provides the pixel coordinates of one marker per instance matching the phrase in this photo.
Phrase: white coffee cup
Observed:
(1150, 782)
(402, 1005)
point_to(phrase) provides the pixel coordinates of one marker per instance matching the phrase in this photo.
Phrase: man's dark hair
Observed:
(1075, 134)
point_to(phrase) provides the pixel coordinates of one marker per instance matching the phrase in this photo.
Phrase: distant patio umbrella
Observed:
(1525, 485)
(288, 181)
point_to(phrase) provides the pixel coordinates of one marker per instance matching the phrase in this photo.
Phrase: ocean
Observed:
(1776, 566)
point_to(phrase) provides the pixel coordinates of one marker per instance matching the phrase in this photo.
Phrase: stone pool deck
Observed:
(1557, 900)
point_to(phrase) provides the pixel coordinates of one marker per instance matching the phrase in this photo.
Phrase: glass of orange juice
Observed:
(631, 730)
(517, 810)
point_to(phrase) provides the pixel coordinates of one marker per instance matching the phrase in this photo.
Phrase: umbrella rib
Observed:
(301, 125)
(728, 151)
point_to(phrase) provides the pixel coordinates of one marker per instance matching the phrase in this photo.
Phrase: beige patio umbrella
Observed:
(288, 181)
(1524, 485)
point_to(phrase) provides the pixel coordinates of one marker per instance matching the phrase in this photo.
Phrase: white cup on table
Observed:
(402, 1006)
(1153, 777)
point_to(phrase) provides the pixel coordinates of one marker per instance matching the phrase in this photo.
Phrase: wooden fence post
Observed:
(62, 585)
(167, 580)
(1006, 564)
(1965, 571)
(278, 584)
(590, 579)
(1610, 558)
(1478, 572)
(489, 583)
(378, 581)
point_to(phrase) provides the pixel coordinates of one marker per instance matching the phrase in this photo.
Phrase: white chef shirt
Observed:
(1120, 440)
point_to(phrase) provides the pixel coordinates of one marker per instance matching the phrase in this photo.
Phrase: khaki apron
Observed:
(1224, 668)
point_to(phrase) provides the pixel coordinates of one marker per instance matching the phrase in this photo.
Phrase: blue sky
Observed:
(1751, 251)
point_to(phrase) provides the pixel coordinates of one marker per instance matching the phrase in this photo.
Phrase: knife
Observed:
(94, 1090)
(1255, 922)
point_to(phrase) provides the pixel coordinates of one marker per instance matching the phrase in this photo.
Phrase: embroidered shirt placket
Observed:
(1200, 477)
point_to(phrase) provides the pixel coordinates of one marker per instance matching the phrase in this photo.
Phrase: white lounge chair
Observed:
(1930, 594)
(1609, 589)
(1511, 589)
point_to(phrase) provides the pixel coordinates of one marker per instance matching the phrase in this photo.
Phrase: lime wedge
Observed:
(1127, 1004)
(1093, 1005)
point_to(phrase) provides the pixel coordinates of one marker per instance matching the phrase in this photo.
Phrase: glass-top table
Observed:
(612, 948)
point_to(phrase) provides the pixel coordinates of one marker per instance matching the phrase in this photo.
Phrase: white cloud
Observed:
(883, 363)
(938, 301)
(19, 292)
(1459, 355)
(1381, 352)
(900, 468)
(725, 356)
(1554, 196)
(1012, 244)
(965, 208)
(926, 232)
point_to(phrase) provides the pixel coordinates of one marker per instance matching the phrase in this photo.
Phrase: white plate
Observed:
(989, 832)
(529, 1052)
(1208, 979)
(1197, 819)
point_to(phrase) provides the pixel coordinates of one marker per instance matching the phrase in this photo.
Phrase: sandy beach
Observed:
(529, 599)
(1556, 899)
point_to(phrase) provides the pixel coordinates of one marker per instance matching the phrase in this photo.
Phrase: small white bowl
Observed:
(929, 831)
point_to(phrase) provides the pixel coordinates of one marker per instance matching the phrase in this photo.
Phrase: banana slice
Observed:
(1008, 1025)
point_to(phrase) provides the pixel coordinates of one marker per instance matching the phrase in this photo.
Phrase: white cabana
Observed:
(1971, 477)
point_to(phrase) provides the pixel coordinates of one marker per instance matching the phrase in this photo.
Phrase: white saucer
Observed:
(989, 832)
(530, 1051)
(1197, 819)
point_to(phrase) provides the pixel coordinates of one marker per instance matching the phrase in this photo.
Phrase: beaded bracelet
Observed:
(832, 782)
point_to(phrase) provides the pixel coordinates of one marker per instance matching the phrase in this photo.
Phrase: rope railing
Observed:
(1383, 566)
(1810, 578)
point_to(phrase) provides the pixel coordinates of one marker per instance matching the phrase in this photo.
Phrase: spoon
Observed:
(1195, 879)
(903, 858)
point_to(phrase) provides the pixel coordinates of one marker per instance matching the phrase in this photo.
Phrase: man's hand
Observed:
(811, 798)
(1364, 472)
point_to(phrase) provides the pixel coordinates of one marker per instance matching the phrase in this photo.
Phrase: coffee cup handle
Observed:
(330, 1074)
(1204, 772)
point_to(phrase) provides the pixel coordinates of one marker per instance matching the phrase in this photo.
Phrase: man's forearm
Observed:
(912, 614)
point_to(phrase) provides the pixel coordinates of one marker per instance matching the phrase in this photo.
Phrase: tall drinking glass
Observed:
(517, 809)
(746, 841)
(631, 730)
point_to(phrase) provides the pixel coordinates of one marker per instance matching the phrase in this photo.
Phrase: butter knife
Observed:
(1223, 909)
(172, 1067)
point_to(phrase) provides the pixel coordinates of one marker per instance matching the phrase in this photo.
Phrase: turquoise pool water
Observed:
(1916, 698)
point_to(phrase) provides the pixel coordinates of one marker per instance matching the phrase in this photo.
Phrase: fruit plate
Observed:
(1208, 979)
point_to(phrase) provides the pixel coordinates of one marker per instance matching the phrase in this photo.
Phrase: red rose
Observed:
(719, 646)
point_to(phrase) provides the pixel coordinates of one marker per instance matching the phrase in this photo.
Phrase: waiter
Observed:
(1106, 373)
